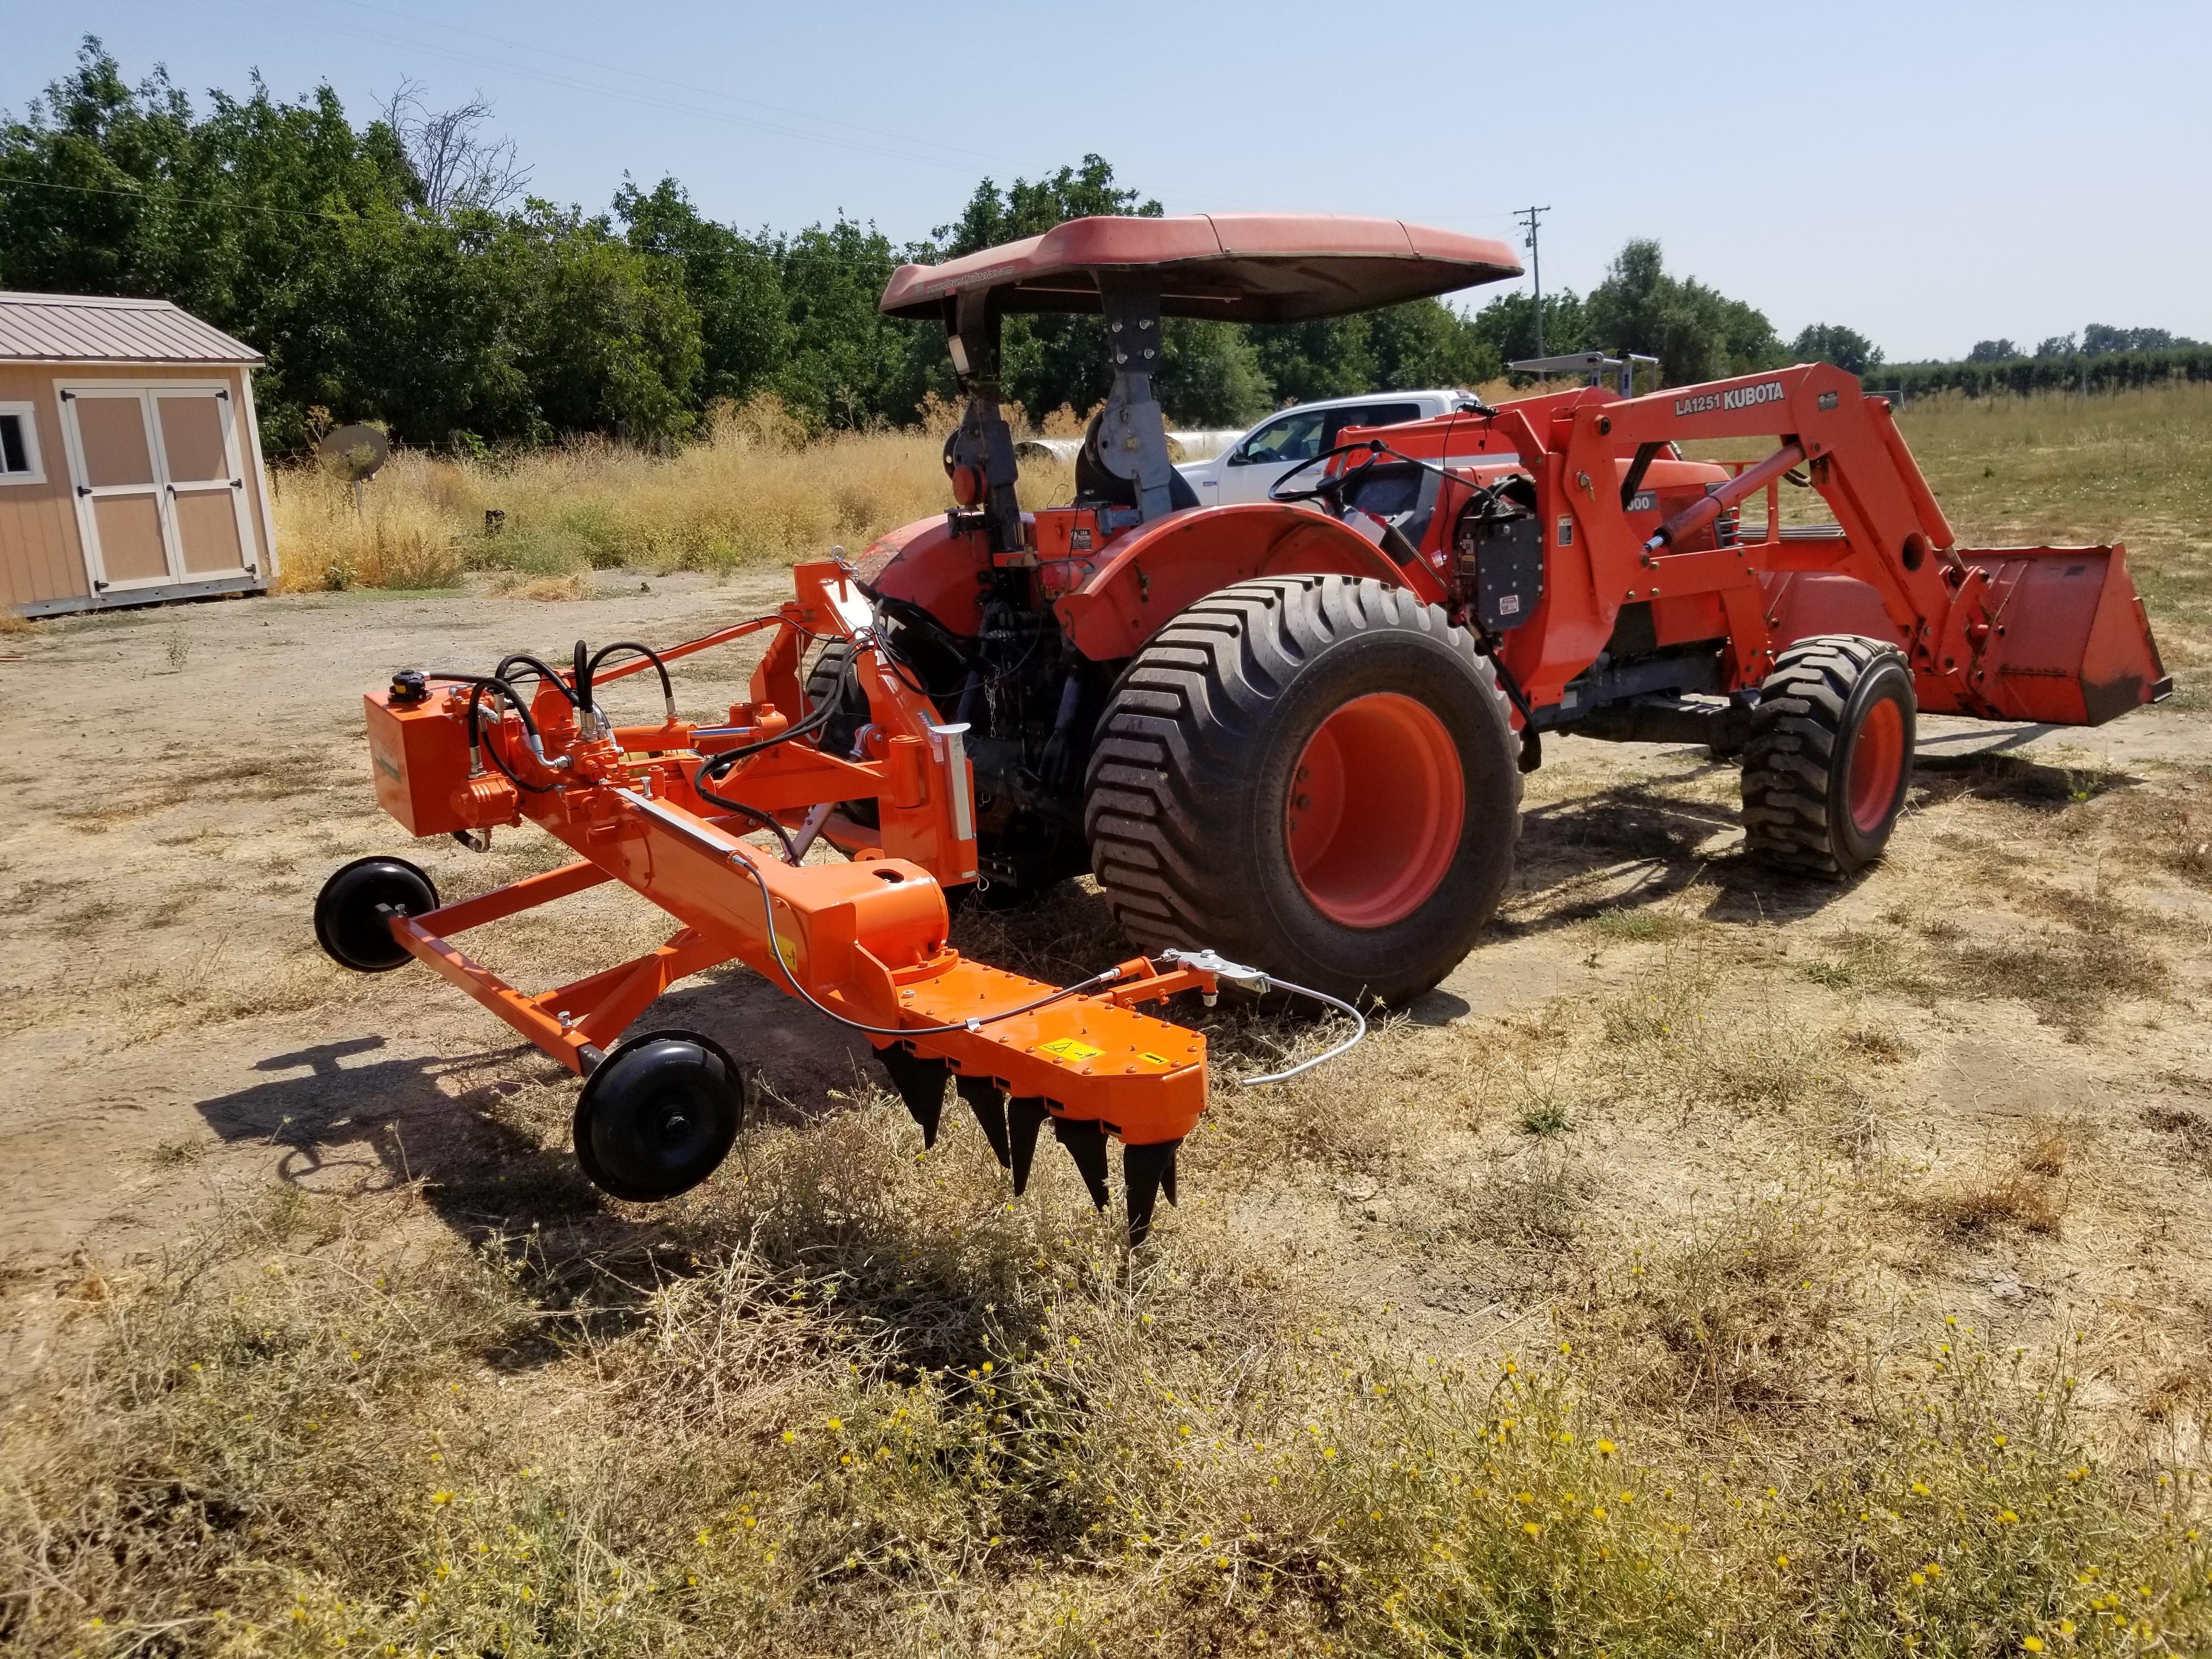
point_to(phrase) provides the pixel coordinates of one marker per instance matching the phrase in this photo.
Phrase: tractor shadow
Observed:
(1991, 774)
(1644, 842)
(349, 1122)
(481, 1137)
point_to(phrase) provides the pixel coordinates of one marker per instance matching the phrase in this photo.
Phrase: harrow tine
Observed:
(988, 1102)
(1145, 1172)
(919, 1081)
(1025, 1115)
(1085, 1140)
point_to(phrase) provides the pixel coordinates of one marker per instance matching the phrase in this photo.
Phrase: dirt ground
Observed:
(1990, 1051)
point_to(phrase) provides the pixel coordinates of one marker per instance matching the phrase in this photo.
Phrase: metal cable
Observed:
(1345, 1047)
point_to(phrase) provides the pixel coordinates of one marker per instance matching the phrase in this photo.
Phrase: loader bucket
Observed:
(2071, 645)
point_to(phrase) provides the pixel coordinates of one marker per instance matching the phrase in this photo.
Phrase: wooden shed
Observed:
(130, 459)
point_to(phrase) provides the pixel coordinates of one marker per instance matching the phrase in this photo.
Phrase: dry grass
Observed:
(854, 1401)
(1756, 1268)
(757, 491)
(2026, 1190)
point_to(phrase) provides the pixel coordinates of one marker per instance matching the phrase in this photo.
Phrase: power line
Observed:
(578, 83)
(156, 197)
(162, 197)
(681, 86)
(1528, 218)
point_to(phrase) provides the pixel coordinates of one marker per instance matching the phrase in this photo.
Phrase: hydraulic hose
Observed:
(767, 820)
(667, 690)
(543, 671)
(812, 722)
(477, 684)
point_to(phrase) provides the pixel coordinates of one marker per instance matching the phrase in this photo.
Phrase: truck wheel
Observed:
(1313, 774)
(1830, 755)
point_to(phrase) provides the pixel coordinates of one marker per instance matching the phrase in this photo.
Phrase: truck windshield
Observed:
(1294, 437)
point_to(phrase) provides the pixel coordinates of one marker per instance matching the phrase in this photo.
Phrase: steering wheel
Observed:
(1371, 447)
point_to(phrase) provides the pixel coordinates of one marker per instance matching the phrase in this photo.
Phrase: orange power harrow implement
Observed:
(666, 809)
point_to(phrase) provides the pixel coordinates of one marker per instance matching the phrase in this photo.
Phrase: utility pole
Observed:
(1527, 218)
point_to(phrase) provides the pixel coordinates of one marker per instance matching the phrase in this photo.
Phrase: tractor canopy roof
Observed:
(1236, 267)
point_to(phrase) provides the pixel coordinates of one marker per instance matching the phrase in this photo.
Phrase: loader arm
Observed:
(2047, 634)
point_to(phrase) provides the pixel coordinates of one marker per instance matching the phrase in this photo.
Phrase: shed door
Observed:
(161, 493)
(207, 488)
(121, 502)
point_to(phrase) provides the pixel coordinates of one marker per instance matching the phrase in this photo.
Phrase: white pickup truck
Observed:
(1245, 469)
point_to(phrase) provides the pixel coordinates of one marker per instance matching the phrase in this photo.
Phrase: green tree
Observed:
(1210, 374)
(1695, 332)
(1328, 357)
(1508, 326)
(733, 280)
(1993, 351)
(1831, 342)
(843, 360)
(1428, 344)
(605, 334)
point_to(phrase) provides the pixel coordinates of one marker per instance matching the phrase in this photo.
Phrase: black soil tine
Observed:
(1025, 1115)
(988, 1102)
(1145, 1172)
(920, 1083)
(1086, 1144)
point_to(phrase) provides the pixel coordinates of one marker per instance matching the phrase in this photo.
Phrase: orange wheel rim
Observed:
(1877, 760)
(1377, 803)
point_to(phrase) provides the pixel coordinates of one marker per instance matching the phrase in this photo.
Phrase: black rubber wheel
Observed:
(350, 921)
(658, 1115)
(1829, 758)
(1314, 774)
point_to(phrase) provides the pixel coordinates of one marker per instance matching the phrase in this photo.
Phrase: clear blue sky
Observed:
(1930, 173)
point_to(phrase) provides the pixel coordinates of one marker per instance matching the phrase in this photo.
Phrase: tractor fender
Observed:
(930, 564)
(1153, 573)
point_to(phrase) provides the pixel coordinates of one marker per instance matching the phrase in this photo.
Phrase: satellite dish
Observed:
(355, 451)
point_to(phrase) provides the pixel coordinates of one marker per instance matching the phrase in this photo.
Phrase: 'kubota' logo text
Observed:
(1739, 397)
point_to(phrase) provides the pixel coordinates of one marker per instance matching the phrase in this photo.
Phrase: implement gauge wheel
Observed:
(1829, 758)
(350, 920)
(658, 1115)
(1314, 774)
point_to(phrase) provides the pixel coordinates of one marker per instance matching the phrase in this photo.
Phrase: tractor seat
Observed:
(1094, 484)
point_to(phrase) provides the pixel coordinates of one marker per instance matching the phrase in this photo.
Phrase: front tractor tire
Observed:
(1314, 774)
(1829, 757)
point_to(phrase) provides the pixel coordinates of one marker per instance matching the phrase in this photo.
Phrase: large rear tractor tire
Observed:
(1829, 758)
(1313, 774)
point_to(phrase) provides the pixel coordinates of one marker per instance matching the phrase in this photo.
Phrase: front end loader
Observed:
(1286, 737)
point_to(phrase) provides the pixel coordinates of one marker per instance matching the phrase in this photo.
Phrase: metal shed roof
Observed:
(80, 328)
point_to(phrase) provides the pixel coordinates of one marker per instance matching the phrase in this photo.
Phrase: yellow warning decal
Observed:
(1069, 1049)
(1156, 1060)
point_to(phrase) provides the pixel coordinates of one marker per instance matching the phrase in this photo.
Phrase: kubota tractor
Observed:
(1287, 737)
(1294, 731)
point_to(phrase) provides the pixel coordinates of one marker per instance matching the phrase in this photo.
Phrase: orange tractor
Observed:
(1285, 737)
